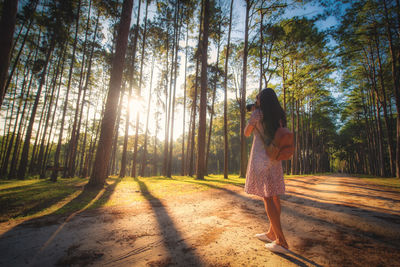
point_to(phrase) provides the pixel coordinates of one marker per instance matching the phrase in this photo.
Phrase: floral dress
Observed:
(264, 177)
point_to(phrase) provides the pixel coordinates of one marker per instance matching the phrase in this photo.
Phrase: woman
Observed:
(264, 176)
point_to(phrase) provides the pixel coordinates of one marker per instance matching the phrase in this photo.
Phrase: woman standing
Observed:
(264, 176)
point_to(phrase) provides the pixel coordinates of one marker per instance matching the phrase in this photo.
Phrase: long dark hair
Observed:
(272, 113)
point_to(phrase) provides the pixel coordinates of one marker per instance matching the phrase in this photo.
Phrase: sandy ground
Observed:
(328, 221)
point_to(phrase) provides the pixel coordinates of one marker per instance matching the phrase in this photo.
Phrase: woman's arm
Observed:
(248, 130)
(254, 118)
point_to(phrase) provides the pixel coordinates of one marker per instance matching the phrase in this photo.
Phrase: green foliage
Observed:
(30, 197)
(367, 87)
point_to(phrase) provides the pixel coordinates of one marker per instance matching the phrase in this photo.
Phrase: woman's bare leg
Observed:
(277, 202)
(270, 233)
(273, 212)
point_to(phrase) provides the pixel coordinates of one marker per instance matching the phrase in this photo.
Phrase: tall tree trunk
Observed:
(388, 124)
(293, 161)
(13, 165)
(167, 94)
(25, 151)
(69, 171)
(189, 143)
(113, 162)
(184, 103)
(144, 155)
(299, 139)
(201, 139)
(60, 74)
(33, 166)
(60, 136)
(155, 159)
(16, 60)
(175, 66)
(395, 78)
(84, 155)
(191, 159)
(135, 149)
(243, 150)
(10, 144)
(40, 159)
(226, 147)
(97, 179)
(7, 26)
(124, 159)
(212, 104)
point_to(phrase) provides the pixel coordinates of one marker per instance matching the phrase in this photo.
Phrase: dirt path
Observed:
(328, 221)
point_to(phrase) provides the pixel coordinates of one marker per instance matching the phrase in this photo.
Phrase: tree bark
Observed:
(226, 147)
(193, 130)
(98, 176)
(395, 77)
(58, 148)
(7, 27)
(175, 66)
(184, 104)
(243, 147)
(73, 143)
(144, 155)
(213, 102)
(388, 124)
(139, 93)
(41, 155)
(203, 96)
(124, 159)
(25, 151)
(113, 162)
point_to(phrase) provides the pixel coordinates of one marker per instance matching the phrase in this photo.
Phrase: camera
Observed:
(250, 107)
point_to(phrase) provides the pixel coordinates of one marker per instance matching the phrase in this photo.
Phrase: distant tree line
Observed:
(88, 79)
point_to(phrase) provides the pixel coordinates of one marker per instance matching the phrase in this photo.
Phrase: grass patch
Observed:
(392, 183)
(29, 197)
(34, 198)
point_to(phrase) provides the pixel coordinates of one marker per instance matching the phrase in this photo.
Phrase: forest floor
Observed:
(328, 220)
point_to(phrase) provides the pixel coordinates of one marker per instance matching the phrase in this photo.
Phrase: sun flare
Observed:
(136, 105)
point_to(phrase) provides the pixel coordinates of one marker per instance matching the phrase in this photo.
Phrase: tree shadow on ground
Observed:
(172, 237)
(344, 193)
(87, 199)
(348, 206)
(296, 258)
(367, 186)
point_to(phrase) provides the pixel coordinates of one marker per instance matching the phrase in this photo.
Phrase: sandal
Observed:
(263, 237)
(274, 247)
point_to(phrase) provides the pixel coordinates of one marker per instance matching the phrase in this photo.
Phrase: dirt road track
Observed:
(328, 221)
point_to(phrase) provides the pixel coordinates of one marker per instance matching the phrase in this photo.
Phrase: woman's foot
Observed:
(282, 244)
(270, 235)
(274, 247)
(264, 237)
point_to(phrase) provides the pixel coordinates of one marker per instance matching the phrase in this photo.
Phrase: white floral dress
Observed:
(264, 177)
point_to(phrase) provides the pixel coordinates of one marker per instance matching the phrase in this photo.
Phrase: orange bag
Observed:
(282, 146)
